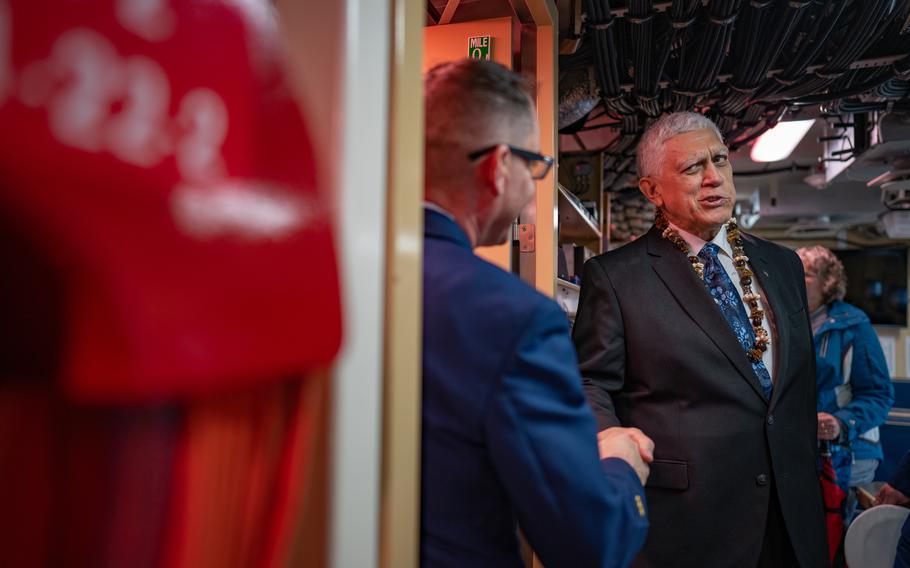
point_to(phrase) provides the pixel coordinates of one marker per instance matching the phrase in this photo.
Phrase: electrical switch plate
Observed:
(526, 238)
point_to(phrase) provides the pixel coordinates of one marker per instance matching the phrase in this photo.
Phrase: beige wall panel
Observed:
(400, 521)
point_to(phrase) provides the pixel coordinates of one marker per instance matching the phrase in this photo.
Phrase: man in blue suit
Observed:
(508, 439)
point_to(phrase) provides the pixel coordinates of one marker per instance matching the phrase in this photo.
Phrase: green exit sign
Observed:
(480, 47)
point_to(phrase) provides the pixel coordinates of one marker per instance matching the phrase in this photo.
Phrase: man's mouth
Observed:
(714, 200)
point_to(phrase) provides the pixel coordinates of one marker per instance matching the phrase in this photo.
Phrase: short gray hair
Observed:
(649, 153)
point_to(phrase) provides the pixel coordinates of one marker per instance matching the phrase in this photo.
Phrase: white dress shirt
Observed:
(726, 261)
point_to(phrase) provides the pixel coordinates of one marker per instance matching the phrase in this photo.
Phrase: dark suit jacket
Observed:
(900, 480)
(656, 353)
(507, 435)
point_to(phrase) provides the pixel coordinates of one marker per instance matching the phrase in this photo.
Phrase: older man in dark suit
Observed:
(697, 334)
(507, 436)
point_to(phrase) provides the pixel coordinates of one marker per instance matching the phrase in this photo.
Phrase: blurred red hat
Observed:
(154, 153)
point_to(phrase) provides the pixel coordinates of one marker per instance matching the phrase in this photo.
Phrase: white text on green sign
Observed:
(479, 47)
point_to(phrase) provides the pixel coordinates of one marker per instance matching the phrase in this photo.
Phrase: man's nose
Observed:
(712, 175)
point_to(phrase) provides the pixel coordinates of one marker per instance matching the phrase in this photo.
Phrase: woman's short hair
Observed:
(821, 262)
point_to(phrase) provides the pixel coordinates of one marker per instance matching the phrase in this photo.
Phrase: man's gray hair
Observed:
(650, 154)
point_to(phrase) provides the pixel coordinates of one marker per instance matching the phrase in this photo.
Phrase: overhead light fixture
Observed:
(780, 141)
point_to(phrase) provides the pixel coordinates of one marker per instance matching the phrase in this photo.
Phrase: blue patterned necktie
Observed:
(731, 306)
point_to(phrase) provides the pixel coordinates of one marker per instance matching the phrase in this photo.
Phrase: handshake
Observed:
(630, 445)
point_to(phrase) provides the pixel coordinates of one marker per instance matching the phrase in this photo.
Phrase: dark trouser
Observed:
(776, 549)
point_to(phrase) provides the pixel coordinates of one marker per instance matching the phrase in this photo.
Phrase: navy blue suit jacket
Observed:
(900, 480)
(507, 436)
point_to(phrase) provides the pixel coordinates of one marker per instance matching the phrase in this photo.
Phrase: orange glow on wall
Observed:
(450, 43)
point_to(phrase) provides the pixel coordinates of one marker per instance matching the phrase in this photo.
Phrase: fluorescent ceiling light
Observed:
(779, 142)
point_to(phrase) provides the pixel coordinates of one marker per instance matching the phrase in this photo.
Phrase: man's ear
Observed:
(649, 187)
(494, 169)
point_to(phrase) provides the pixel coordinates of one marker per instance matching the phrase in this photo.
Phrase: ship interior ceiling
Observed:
(748, 66)
(441, 12)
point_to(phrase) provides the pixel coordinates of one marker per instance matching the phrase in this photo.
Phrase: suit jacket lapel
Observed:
(676, 272)
(773, 296)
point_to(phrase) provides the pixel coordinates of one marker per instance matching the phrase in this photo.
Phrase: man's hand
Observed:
(629, 444)
(888, 495)
(828, 426)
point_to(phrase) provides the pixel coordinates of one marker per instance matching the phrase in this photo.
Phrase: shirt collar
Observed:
(434, 207)
(696, 243)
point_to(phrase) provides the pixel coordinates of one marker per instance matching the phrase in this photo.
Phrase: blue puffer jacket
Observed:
(852, 377)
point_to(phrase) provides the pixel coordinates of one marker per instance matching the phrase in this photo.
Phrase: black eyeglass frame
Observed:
(525, 155)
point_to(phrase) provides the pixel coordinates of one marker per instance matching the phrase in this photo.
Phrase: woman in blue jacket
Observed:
(854, 386)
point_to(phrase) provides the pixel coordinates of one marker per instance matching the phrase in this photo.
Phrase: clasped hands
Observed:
(630, 445)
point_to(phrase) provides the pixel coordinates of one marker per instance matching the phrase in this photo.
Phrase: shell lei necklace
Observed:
(745, 277)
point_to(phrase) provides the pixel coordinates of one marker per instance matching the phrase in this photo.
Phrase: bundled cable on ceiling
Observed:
(763, 33)
(746, 63)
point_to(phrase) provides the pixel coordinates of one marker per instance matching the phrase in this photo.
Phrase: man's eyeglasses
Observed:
(538, 164)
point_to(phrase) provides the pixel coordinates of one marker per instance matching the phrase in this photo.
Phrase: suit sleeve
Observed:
(600, 343)
(575, 509)
(811, 425)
